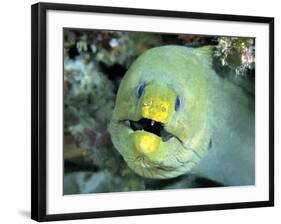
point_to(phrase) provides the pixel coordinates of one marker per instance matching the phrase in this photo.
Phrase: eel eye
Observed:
(140, 89)
(178, 103)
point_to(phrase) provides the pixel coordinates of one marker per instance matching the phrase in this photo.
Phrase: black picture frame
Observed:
(39, 114)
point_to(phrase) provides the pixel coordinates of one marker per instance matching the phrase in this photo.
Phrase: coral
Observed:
(235, 54)
(101, 181)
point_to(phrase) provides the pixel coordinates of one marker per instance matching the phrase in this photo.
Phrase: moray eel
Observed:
(162, 123)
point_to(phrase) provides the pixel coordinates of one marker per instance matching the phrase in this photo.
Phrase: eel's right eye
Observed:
(178, 103)
(139, 90)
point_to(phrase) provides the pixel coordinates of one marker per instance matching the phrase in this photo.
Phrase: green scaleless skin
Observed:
(212, 129)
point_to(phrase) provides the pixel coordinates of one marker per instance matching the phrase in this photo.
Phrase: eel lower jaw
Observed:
(144, 163)
(151, 126)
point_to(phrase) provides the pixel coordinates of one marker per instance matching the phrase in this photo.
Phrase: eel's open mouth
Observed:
(151, 126)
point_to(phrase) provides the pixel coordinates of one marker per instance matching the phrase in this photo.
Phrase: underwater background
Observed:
(94, 63)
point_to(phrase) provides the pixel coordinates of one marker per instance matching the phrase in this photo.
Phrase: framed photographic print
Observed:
(139, 111)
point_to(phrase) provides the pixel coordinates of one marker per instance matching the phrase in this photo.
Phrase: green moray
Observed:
(167, 116)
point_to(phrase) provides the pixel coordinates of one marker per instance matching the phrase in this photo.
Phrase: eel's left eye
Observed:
(178, 103)
(140, 89)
